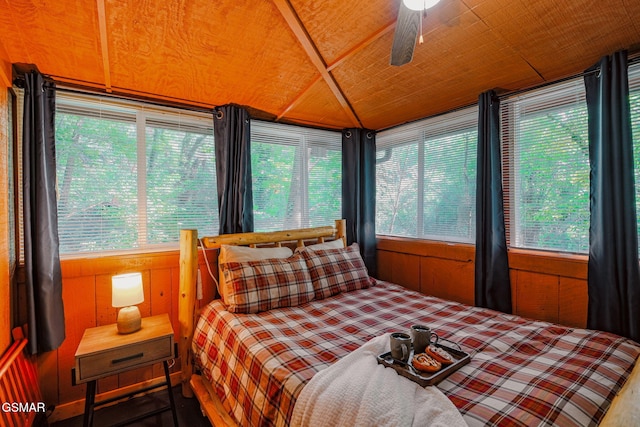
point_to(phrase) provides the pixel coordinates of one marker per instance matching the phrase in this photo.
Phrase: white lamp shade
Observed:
(420, 4)
(127, 290)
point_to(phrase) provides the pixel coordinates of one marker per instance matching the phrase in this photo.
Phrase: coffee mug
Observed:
(422, 336)
(400, 344)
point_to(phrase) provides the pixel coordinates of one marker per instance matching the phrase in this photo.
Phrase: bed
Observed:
(254, 363)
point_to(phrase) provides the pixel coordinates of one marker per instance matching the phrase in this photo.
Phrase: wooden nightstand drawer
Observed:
(103, 351)
(124, 358)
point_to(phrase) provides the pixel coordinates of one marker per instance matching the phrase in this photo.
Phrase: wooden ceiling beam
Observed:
(292, 19)
(339, 60)
(104, 44)
(298, 98)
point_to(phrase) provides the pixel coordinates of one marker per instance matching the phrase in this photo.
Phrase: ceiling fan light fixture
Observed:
(419, 4)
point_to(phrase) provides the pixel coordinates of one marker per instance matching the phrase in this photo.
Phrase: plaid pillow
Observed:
(336, 270)
(255, 286)
(229, 253)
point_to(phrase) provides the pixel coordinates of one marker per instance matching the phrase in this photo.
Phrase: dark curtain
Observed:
(41, 245)
(359, 191)
(233, 168)
(613, 271)
(492, 284)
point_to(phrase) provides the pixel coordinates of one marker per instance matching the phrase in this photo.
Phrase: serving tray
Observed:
(426, 378)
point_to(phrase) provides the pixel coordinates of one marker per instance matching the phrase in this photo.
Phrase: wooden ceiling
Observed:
(317, 62)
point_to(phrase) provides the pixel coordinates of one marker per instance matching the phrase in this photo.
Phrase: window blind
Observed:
(130, 175)
(12, 169)
(426, 178)
(297, 176)
(545, 133)
(634, 103)
(180, 177)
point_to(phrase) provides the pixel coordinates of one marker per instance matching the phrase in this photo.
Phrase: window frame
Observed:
(141, 115)
(303, 139)
(550, 97)
(634, 91)
(419, 133)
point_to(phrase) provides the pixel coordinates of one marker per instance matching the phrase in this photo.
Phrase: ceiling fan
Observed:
(407, 28)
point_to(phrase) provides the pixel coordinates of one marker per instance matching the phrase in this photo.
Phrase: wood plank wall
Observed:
(545, 286)
(86, 291)
(5, 273)
(5, 268)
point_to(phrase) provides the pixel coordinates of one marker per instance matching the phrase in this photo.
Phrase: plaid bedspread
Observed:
(522, 372)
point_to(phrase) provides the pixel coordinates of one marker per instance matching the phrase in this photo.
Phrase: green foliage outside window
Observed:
(634, 99)
(120, 190)
(296, 176)
(450, 186)
(397, 191)
(97, 190)
(551, 167)
(181, 191)
(426, 178)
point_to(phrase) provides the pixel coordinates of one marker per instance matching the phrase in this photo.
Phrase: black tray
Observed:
(425, 378)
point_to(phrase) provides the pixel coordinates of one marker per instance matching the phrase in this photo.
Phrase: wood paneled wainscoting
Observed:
(545, 286)
(86, 291)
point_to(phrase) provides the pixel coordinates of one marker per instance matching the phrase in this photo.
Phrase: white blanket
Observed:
(357, 391)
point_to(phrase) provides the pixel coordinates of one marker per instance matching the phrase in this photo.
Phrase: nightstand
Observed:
(103, 352)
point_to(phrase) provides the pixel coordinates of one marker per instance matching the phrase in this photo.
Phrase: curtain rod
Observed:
(63, 86)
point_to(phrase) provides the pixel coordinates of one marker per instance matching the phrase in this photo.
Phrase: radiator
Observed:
(20, 397)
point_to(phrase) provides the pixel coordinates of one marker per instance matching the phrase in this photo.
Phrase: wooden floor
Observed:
(189, 414)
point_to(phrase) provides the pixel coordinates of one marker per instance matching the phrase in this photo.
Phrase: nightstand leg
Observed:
(170, 390)
(88, 403)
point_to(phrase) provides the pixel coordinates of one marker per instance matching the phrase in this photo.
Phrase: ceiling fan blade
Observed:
(404, 37)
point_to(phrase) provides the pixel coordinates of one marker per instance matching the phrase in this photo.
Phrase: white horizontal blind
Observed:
(546, 134)
(131, 176)
(426, 178)
(297, 176)
(180, 177)
(97, 177)
(12, 170)
(634, 102)
(18, 161)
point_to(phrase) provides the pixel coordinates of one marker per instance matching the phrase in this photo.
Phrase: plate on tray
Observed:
(426, 378)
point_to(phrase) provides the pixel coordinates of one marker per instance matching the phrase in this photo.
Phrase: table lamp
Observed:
(126, 293)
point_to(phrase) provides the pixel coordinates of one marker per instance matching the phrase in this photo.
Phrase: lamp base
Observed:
(129, 320)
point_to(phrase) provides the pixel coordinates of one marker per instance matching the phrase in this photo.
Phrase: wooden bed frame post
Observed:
(341, 231)
(187, 302)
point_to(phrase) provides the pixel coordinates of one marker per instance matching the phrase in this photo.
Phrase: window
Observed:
(297, 176)
(547, 181)
(634, 102)
(426, 178)
(131, 176)
(12, 184)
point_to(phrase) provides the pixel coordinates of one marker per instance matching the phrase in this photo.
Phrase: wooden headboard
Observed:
(189, 273)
